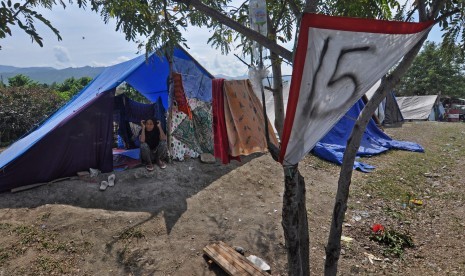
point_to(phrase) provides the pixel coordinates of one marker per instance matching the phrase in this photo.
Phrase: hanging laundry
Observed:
(244, 119)
(220, 137)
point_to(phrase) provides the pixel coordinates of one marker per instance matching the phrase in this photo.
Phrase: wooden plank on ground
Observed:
(234, 260)
(231, 261)
(221, 261)
(243, 261)
(27, 187)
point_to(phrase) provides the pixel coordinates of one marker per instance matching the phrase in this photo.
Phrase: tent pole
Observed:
(170, 86)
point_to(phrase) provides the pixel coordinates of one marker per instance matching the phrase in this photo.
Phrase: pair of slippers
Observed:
(110, 183)
(151, 168)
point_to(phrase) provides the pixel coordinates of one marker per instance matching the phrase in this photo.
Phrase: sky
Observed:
(88, 41)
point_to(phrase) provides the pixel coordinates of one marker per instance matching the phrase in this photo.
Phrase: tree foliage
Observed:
(25, 103)
(21, 80)
(131, 93)
(435, 71)
(21, 108)
(71, 87)
(24, 16)
(379, 9)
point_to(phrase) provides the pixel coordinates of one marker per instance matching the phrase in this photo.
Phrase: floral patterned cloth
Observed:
(190, 138)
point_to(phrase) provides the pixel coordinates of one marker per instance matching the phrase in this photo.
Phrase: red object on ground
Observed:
(377, 228)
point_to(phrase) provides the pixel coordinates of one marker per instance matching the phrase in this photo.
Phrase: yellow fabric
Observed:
(244, 118)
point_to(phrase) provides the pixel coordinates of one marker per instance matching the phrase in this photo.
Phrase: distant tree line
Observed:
(435, 71)
(25, 103)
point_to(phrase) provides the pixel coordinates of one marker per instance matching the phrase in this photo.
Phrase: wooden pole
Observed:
(170, 86)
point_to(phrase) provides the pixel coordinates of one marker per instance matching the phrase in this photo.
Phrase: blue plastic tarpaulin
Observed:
(79, 135)
(374, 141)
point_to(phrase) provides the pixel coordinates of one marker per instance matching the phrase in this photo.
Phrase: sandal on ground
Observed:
(111, 180)
(162, 165)
(103, 185)
(149, 168)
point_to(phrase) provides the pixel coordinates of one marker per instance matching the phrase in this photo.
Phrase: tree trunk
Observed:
(295, 223)
(277, 93)
(333, 247)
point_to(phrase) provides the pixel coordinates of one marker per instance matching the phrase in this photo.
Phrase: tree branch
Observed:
(410, 14)
(447, 14)
(20, 9)
(249, 33)
(435, 8)
(310, 6)
(422, 10)
(278, 18)
(295, 9)
(269, 88)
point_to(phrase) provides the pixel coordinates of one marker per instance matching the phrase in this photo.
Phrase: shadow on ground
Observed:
(136, 190)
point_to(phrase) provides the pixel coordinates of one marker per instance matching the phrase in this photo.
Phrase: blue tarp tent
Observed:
(374, 141)
(79, 135)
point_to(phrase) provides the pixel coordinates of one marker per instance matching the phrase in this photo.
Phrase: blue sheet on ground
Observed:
(374, 141)
(132, 153)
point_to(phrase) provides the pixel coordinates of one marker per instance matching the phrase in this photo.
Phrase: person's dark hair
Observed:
(153, 119)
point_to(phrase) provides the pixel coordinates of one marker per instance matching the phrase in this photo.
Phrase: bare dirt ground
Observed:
(158, 223)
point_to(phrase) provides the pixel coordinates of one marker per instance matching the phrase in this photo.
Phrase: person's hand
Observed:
(142, 124)
(158, 124)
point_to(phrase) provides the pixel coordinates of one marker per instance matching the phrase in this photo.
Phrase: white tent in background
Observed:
(421, 108)
(388, 111)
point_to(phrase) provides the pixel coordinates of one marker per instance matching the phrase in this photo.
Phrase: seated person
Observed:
(153, 148)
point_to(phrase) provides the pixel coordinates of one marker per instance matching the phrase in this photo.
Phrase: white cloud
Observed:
(62, 56)
(98, 64)
(122, 59)
(119, 59)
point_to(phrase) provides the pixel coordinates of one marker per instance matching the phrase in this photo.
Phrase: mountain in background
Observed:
(49, 75)
(286, 78)
(222, 76)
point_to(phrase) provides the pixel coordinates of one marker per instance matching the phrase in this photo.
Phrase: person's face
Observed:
(149, 125)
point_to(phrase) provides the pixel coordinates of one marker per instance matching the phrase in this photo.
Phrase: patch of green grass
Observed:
(452, 196)
(26, 234)
(5, 226)
(131, 233)
(49, 265)
(395, 241)
(4, 255)
(407, 176)
(45, 216)
(393, 213)
(318, 163)
(33, 237)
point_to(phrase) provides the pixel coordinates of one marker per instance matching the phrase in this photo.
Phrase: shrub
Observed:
(22, 108)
